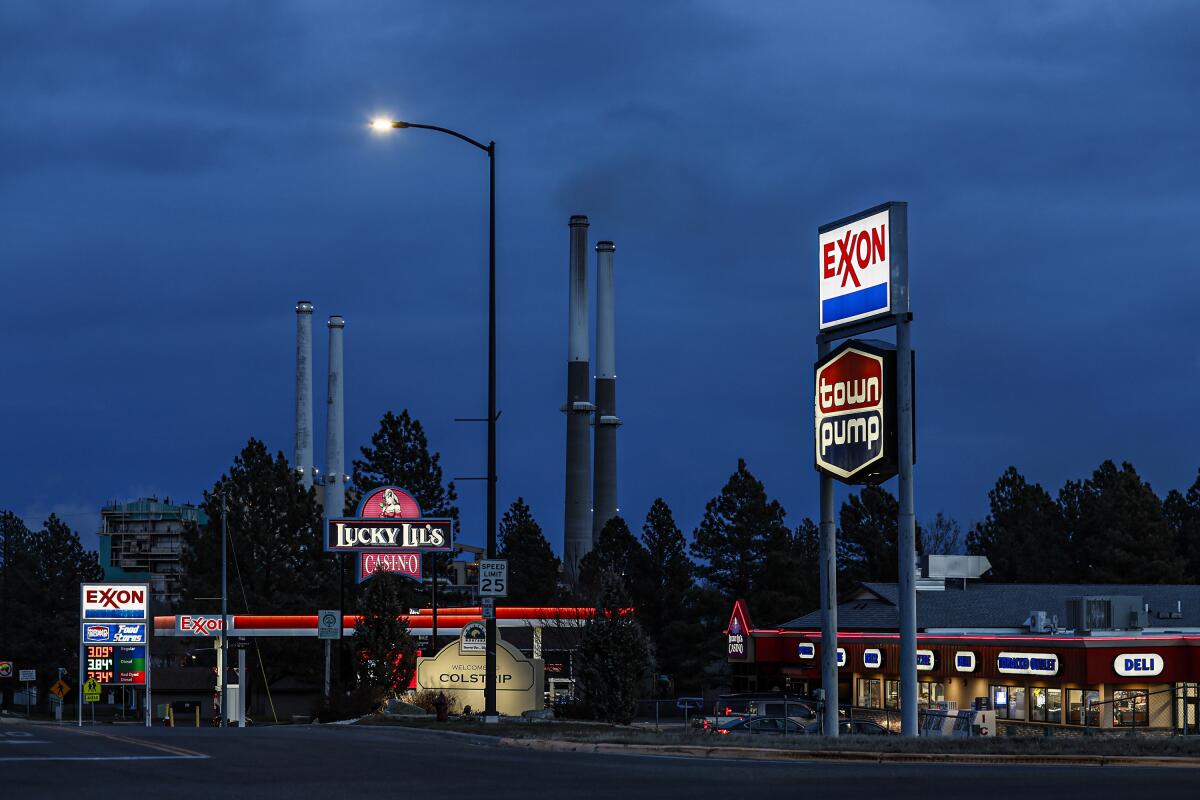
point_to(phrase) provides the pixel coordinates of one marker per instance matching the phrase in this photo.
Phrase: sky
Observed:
(174, 176)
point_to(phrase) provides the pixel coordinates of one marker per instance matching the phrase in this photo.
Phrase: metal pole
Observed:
(828, 535)
(244, 685)
(433, 560)
(327, 644)
(906, 546)
(489, 687)
(223, 664)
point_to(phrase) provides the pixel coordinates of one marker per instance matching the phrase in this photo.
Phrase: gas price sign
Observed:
(116, 664)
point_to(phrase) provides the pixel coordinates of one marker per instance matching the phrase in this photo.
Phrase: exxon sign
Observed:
(113, 601)
(855, 407)
(862, 264)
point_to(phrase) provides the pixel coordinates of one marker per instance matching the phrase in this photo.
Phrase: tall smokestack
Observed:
(577, 527)
(335, 432)
(604, 493)
(304, 409)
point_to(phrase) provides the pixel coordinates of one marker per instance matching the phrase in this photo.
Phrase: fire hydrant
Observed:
(441, 707)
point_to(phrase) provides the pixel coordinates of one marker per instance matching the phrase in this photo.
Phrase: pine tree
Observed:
(867, 538)
(1023, 536)
(665, 598)
(731, 541)
(790, 582)
(1117, 531)
(1183, 516)
(388, 654)
(612, 659)
(617, 554)
(532, 565)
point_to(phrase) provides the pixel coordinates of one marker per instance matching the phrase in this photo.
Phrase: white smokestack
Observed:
(604, 489)
(303, 462)
(335, 432)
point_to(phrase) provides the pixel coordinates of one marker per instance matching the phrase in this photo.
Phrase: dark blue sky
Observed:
(174, 176)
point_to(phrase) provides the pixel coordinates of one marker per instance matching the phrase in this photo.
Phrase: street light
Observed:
(382, 124)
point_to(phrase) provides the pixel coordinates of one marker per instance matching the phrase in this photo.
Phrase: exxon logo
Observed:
(200, 626)
(114, 597)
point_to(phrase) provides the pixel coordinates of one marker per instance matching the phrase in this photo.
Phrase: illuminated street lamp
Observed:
(383, 125)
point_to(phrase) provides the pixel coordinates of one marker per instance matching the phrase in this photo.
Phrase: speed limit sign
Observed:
(493, 578)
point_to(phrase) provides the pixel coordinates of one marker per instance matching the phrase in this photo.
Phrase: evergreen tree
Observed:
(388, 654)
(790, 582)
(276, 560)
(532, 565)
(732, 539)
(867, 540)
(1023, 536)
(665, 598)
(612, 659)
(1117, 530)
(39, 597)
(1183, 516)
(617, 554)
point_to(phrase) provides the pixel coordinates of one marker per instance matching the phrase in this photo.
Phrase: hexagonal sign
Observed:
(855, 405)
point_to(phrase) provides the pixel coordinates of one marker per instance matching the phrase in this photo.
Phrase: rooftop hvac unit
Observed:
(1116, 612)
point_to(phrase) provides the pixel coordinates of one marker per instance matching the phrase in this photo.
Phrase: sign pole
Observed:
(906, 545)
(327, 644)
(828, 539)
(222, 663)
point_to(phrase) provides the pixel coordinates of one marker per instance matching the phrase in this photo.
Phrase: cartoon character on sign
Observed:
(390, 505)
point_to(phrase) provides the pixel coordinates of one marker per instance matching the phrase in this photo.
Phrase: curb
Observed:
(698, 751)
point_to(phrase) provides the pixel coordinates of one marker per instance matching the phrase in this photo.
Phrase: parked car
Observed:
(759, 726)
(856, 727)
(729, 707)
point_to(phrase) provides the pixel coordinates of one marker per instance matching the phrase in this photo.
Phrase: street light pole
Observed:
(489, 688)
(223, 656)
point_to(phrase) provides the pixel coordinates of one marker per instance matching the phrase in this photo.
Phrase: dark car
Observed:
(759, 726)
(856, 727)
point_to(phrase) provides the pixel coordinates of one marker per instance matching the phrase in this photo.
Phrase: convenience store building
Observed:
(1066, 656)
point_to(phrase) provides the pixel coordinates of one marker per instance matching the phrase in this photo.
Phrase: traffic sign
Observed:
(493, 578)
(91, 691)
(488, 607)
(60, 689)
(6, 669)
(27, 675)
(329, 624)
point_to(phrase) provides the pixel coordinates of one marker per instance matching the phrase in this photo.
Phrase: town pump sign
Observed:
(855, 405)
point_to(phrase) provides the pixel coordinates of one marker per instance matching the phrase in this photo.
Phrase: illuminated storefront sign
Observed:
(841, 657)
(872, 658)
(806, 650)
(114, 601)
(964, 661)
(114, 633)
(1134, 665)
(738, 633)
(198, 625)
(925, 660)
(1027, 663)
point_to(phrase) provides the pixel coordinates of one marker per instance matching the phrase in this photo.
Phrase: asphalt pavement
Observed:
(48, 761)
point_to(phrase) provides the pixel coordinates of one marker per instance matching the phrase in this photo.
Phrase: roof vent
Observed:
(954, 567)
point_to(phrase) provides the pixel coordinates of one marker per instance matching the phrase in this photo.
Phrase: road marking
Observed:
(103, 758)
(24, 741)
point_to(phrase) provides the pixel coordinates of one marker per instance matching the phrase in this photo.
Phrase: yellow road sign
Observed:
(60, 689)
(91, 691)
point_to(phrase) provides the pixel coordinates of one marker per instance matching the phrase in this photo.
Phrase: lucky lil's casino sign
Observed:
(863, 266)
(389, 534)
(855, 405)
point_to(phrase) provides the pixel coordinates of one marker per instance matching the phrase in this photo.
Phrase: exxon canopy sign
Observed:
(855, 412)
(115, 601)
(862, 264)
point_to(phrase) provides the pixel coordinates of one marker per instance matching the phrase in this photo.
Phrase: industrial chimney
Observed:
(335, 429)
(604, 493)
(577, 527)
(303, 462)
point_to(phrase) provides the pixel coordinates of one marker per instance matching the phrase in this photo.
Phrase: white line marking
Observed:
(101, 758)
(24, 741)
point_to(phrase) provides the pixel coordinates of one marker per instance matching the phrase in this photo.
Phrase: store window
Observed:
(891, 694)
(870, 693)
(1009, 702)
(1045, 705)
(1082, 708)
(930, 693)
(1131, 708)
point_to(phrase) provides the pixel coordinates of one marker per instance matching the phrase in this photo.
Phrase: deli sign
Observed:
(855, 412)
(113, 601)
(1132, 665)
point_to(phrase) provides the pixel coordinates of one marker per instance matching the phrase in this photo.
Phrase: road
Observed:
(45, 761)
